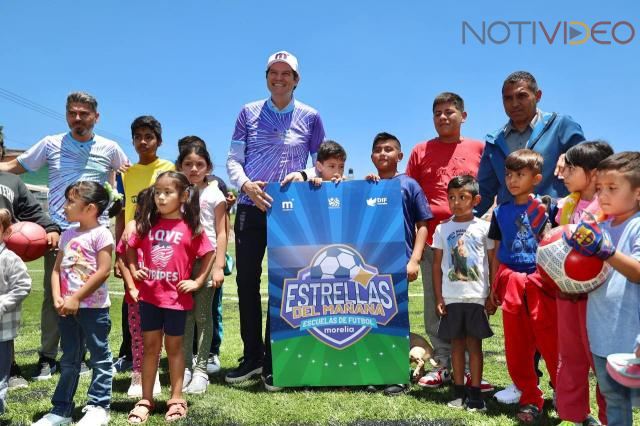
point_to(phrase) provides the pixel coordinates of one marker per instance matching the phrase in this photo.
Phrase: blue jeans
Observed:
(89, 327)
(619, 398)
(6, 356)
(217, 322)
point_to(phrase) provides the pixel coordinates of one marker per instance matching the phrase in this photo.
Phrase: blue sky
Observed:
(366, 66)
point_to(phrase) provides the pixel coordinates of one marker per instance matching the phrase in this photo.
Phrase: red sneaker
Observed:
(484, 385)
(435, 378)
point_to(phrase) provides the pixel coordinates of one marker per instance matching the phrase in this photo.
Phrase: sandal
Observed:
(176, 409)
(528, 414)
(140, 413)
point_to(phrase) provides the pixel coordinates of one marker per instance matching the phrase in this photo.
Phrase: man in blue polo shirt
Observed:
(272, 138)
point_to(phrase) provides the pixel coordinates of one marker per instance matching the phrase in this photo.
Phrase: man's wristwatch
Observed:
(303, 174)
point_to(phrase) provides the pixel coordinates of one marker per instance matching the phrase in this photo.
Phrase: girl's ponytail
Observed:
(102, 196)
(146, 211)
(191, 209)
(115, 198)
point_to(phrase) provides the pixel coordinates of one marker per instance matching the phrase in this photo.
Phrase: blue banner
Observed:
(338, 300)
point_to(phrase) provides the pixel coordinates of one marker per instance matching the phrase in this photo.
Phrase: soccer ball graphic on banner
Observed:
(336, 262)
(572, 272)
(338, 298)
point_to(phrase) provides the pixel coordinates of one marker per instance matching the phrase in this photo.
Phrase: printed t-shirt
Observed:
(80, 260)
(170, 250)
(518, 245)
(465, 263)
(71, 161)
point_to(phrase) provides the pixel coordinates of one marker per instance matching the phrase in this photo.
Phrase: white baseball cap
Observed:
(283, 56)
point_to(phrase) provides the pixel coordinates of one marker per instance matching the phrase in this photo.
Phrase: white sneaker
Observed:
(458, 403)
(51, 419)
(17, 382)
(213, 364)
(135, 389)
(198, 385)
(94, 416)
(186, 380)
(509, 395)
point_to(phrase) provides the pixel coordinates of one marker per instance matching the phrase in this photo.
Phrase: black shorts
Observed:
(464, 319)
(171, 321)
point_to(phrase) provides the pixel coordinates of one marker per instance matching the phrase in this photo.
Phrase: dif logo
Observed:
(537, 32)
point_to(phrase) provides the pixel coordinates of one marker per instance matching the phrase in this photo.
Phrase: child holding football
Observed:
(15, 285)
(613, 309)
(574, 355)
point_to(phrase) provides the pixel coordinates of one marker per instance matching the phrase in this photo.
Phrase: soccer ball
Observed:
(570, 271)
(338, 261)
(26, 239)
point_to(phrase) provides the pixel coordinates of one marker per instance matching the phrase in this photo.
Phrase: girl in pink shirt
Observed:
(144, 201)
(171, 239)
(81, 299)
(574, 354)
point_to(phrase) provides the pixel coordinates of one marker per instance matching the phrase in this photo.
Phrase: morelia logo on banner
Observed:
(338, 298)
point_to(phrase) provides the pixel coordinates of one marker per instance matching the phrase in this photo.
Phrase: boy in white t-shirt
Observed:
(461, 285)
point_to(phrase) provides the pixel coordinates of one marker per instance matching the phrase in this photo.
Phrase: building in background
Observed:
(36, 181)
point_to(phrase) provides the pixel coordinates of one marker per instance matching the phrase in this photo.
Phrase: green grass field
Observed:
(249, 403)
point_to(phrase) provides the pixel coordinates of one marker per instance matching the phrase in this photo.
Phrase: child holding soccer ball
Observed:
(15, 285)
(574, 355)
(613, 309)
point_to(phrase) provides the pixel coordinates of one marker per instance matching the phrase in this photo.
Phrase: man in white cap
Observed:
(272, 138)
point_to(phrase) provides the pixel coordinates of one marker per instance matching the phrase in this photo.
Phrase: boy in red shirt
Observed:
(433, 163)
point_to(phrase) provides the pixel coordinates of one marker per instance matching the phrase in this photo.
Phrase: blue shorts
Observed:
(171, 321)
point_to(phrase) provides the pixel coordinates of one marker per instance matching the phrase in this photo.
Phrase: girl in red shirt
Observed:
(170, 238)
